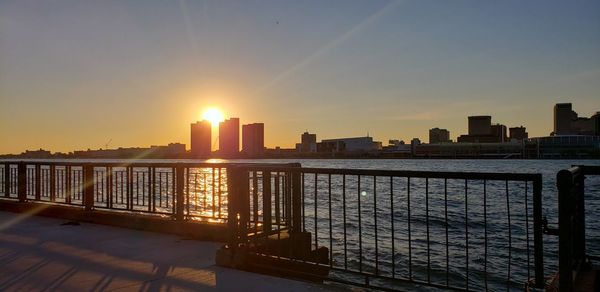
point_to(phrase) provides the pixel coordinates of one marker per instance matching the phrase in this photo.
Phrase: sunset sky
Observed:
(76, 74)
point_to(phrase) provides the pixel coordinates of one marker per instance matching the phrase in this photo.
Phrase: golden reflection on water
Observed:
(206, 190)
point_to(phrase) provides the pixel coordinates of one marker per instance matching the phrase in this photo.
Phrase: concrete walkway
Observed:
(38, 253)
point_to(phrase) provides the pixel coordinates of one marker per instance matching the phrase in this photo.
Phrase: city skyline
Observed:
(208, 131)
(84, 75)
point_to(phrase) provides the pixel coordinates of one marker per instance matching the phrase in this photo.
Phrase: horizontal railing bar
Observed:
(403, 173)
(146, 164)
(588, 169)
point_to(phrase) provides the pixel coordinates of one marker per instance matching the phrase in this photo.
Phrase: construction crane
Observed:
(214, 145)
(107, 143)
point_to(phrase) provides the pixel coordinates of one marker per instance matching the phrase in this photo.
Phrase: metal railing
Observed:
(184, 191)
(385, 229)
(573, 253)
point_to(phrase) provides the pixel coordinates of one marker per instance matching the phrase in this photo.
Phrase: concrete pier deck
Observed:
(39, 253)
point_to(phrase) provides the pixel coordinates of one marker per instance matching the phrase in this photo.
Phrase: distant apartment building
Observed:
(480, 125)
(499, 132)
(229, 138)
(567, 122)
(253, 139)
(437, 135)
(481, 130)
(395, 142)
(563, 115)
(517, 134)
(41, 153)
(357, 144)
(308, 143)
(201, 139)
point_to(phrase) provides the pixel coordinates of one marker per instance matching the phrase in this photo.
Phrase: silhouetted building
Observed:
(596, 123)
(499, 131)
(563, 146)
(437, 135)
(173, 150)
(253, 139)
(481, 130)
(229, 138)
(480, 125)
(414, 143)
(358, 144)
(41, 153)
(201, 139)
(563, 115)
(395, 142)
(518, 133)
(308, 143)
(567, 122)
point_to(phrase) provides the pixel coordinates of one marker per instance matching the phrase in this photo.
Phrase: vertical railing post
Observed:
(564, 183)
(267, 217)
(52, 179)
(579, 249)
(238, 209)
(537, 232)
(22, 182)
(129, 186)
(244, 203)
(68, 187)
(233, 198)
(179, 186)
(38, 180)
(296, 201)
(7, 179)
(88, 187)
(109, 187)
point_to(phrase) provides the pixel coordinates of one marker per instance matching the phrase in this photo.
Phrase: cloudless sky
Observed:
(76, 74)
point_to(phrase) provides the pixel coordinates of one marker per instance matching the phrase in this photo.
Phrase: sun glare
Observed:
(213, 115)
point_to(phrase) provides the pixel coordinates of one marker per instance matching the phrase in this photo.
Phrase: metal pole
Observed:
(233, 205)
(537, 232)
(296, 201)
(7, 180)
(564, 183)
(179, 192)
(88, 187)
(52, 183)
(266, 184)
(22, 182)
(38, 180)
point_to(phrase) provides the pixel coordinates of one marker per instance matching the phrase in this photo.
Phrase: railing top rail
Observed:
(134, 163)
(589, 169)
(405, 173)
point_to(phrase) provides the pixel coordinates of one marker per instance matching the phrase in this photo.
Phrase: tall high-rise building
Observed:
(480, 125)
(437, 135)
(253, 139)
(563, 116)
(201, 139)
(229, 138)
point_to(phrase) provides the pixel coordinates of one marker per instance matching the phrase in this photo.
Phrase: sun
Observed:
(213, 115)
